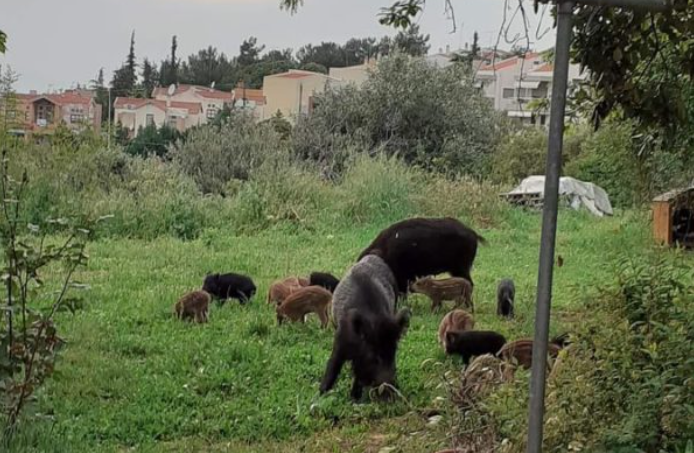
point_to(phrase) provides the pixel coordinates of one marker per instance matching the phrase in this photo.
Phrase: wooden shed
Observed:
(673, 217)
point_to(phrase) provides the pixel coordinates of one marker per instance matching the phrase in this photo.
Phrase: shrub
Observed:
(524, 153)
(214, 156)
(429, 117)
(625, 384)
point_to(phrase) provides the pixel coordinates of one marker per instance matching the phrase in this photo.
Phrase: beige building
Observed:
(136, 113)
(521, 86)
(292, 93)
(187, 106)
(356, 75)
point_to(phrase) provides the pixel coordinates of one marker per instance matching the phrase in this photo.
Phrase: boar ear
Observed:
(403, 318)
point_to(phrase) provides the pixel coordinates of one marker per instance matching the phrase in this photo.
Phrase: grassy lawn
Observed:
(134, 379)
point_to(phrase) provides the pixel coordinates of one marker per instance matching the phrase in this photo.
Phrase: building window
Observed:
(212, 113)
(76, 118)
(149, 120)
(171, 121)
(508, 93)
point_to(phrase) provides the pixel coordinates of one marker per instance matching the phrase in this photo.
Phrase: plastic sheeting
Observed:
(578, 193)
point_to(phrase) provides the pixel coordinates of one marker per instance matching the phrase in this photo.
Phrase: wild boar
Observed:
(193, 306)
(521, 351)
(302, 301)
(455, 321)
(327, 281)
(229, 286)
(505, 296)
(474, 343)
(455, 288)
(281, 289)
(368, 329)
(419, 247)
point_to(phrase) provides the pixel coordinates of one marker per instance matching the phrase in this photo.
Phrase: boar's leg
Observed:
(332, 371)
(435, 303)
(357, 390)
(323, 316)
(280, 318)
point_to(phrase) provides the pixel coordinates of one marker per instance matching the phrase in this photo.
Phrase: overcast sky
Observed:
(54, 44)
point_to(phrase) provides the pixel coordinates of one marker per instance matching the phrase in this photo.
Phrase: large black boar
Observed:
(419, 247)
(368, 330)
(230, 286)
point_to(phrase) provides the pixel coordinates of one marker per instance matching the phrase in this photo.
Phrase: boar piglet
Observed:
(456, 289)
(312, 299)
(325, 280)
(193, 306)
(281, 289)
(368, 330)
(455, 321)
(505, 295)
(474, 343)
(521, 351)
(229, 286)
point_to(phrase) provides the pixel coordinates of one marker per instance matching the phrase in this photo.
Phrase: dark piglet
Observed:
(505, 297)
(230, 286)
(426, 246)
(473, 343)
(324, 280)
(367, 335)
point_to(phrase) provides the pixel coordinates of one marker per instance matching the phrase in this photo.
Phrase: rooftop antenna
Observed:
(172, 89)
(212, 85)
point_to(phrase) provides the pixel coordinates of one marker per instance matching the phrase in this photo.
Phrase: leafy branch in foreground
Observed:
(29, 340)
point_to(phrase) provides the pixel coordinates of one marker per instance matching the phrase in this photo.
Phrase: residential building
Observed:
(292, 93)
(521, 86)
(356, 75)
(249, 99)
(137, 113)
(444, 59)
(43, 113)
(187, 106)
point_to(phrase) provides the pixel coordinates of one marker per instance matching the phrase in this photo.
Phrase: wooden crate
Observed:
(673, 217)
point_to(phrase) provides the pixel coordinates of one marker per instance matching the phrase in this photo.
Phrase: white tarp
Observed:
(593, 197)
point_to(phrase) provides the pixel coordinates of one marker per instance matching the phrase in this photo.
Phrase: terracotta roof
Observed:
(508, 63)
(293, 75)
(69, 97)
(547, 67)
(205, 92)
(250, 94)
(193, 108)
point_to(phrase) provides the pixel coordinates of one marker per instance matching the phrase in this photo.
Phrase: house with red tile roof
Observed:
(136, 113)
(43, 113)
(521, 86)
(187, 106)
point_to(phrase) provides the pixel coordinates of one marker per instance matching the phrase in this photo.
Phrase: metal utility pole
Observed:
(109, 118)
(551, 201)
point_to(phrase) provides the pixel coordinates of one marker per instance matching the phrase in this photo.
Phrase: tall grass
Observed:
(151, 197)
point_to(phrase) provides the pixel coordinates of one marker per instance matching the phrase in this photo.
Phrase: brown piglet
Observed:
(193, 306)
(456, 289)
(311, 299)
(456, 320)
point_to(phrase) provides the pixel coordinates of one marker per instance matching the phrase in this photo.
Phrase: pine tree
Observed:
(150, 78)
(168, 72)
(125, 79)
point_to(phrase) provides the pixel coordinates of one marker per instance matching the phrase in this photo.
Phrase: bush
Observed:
(214, 156)
(625, 384)
(429, 117)
(524, 153)
(608, 160)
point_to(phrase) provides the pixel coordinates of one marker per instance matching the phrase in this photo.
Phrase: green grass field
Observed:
(134, 379)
